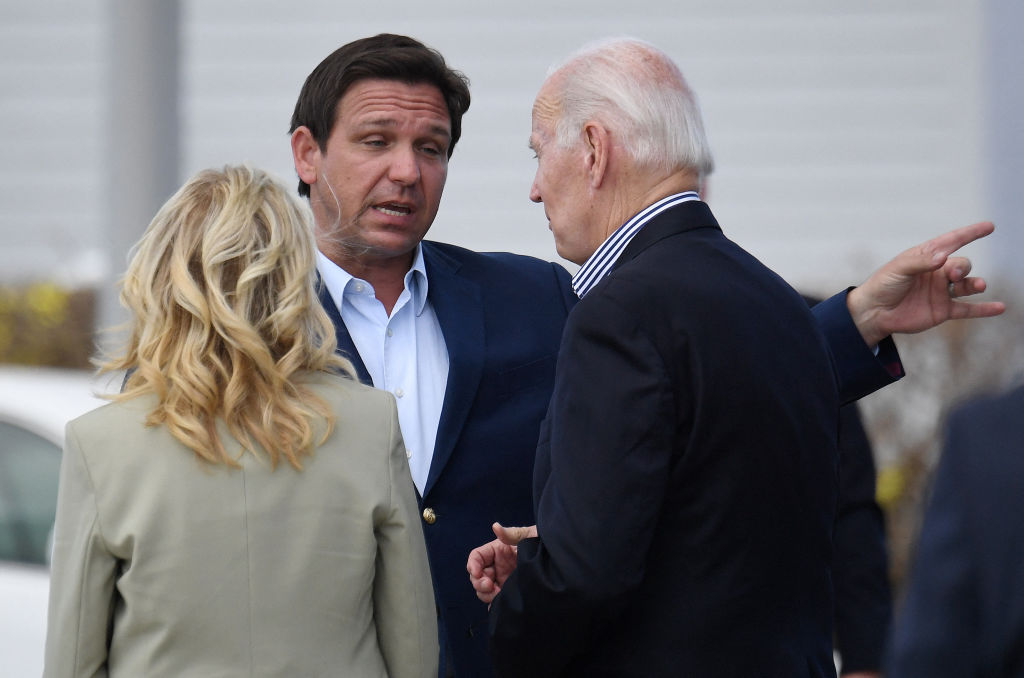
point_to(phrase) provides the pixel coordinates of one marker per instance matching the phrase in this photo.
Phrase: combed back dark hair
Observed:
(386, 57)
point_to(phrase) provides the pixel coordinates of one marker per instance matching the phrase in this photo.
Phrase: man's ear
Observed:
(306, 154)
(597, 144)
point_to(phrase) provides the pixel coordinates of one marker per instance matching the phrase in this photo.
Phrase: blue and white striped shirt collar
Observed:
(601, 261)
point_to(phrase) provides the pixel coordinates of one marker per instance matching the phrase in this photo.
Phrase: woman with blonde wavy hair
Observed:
(243, 507)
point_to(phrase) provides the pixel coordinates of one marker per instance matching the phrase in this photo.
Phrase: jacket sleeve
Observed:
(403, 597)
(859, 370)
(82, 575)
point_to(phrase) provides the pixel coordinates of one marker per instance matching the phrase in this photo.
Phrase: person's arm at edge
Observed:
(935, 633)
(82, 575)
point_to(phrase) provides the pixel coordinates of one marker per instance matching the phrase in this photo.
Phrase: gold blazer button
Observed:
(429, 516)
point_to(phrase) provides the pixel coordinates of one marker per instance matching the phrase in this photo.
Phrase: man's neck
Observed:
(644, 191)
(678, 182)
(385, 274)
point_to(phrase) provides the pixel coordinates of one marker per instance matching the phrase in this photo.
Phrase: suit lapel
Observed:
(346, 347)
(456, 302)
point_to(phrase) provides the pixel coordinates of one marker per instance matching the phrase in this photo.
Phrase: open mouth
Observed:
(393, 209)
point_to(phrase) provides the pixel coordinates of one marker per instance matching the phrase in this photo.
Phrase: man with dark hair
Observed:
(466, 341)
(382, 57)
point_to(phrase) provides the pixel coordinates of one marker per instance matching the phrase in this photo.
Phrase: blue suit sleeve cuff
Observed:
(860, 370)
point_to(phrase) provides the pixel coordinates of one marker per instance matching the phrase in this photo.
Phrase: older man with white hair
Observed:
(685, 481)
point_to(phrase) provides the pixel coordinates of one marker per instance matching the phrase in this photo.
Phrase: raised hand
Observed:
(921, 288)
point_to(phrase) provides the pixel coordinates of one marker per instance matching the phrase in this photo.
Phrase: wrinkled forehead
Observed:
(546, 109)
(375, 95)
(542, 130)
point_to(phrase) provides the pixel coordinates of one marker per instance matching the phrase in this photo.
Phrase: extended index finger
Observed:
(947, 243)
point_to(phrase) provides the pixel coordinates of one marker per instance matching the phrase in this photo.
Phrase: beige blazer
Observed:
(167, 566)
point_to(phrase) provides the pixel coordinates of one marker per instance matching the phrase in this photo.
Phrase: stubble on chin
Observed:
(339, 240)
(350, 245)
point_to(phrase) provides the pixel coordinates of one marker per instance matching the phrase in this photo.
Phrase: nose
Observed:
(535, 192)
(405, 167)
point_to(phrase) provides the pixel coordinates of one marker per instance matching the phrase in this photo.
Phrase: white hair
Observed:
(637, 91)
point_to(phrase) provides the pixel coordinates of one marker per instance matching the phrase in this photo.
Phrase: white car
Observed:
(35, 404)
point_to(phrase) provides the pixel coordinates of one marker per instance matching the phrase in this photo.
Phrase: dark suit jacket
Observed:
(502, 317)
(860, 571)
(964, 610)
(860, 566)
(685, 483)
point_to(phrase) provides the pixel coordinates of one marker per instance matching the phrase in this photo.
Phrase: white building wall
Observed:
(51, 84)
(1005, 132)
(843, 132)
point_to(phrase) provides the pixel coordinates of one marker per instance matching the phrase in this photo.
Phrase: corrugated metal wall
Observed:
(842, 132)
(51, 86)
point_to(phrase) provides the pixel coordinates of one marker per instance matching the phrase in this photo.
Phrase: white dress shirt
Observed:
(404, 353)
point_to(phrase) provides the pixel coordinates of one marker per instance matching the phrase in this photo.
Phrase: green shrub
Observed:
(43, 323)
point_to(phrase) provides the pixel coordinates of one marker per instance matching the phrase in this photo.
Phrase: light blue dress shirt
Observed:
(404, 353)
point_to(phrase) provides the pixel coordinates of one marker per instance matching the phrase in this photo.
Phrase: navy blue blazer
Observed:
(963, 615)
(685, 498)
(502, 317)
